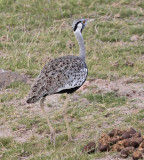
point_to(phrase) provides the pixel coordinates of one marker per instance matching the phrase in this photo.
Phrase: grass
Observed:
(111, 99)
(19, 90)
(26, 54)
(32, 33)
(135, 118)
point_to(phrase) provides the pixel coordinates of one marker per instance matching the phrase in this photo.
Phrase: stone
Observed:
(117, 16)
(8, 77)
(134, 38)
(129, 63)
(70, 44)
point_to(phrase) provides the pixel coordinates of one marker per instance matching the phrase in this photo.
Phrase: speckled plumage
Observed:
(64, 74)
(61, 75)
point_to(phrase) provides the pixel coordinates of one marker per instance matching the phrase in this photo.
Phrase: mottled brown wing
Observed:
(59, 74)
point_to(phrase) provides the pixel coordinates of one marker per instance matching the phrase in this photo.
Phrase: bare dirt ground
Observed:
(114, 157)
(123, 87)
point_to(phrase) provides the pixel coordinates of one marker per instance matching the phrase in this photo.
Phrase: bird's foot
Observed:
(53, 138)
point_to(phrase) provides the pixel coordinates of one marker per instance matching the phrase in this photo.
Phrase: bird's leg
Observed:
(52, 132)
(65, 117)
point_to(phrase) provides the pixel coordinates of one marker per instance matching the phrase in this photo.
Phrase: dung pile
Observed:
(127, 142)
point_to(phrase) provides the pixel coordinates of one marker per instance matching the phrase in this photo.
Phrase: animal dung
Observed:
(137, 155)
(126, 151)
(104, 147)
(90, 147)
(127, 142)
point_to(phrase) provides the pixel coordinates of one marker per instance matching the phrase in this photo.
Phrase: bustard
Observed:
(61, 75)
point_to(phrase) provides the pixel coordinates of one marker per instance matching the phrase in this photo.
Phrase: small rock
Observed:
(115, 89)
(3, 38)
(135, 38)
(115, 64)
(142, 37)
(70, 44)
(136, 155)
(90, 147)
(117, 16)
(129, 63)
(128, 94)
(107, 115)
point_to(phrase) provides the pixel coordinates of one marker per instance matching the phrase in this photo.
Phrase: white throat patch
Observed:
(79, 26)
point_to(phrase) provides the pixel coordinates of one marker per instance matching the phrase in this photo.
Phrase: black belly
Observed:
(69, 91)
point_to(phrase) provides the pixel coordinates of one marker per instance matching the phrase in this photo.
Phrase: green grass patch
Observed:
(136, 119)
(5, 142)
(15, 85)
(32, 33)
(30, 121)
(109, 99)
(19, 91)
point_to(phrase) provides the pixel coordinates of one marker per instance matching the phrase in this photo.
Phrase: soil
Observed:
(123, 87)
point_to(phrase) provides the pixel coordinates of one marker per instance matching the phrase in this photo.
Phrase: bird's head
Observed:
(79, 24)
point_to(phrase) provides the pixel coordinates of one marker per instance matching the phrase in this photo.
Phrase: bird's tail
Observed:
(37, 91)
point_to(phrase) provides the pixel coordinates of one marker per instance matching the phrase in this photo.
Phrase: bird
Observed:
(63, 75)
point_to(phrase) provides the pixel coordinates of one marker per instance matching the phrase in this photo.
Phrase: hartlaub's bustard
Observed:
(61, 75)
